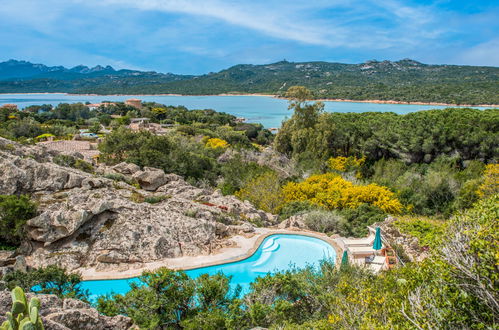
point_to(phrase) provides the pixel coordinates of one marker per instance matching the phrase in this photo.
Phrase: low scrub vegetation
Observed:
(14, 212)
(70, 161)
(428, 232)
(48, 280)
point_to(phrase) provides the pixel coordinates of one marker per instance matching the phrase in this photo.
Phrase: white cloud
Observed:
(160, 34)
(346, 24)
(299, 21)
(486, 53)
(261, 19)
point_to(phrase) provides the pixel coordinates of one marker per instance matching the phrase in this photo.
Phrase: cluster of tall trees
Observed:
(434, 160)
(65, 119)
(418, 137)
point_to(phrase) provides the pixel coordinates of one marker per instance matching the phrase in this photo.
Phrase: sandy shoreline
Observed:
(410, 103)
(164, 94)
(277, 97)
(245, 248)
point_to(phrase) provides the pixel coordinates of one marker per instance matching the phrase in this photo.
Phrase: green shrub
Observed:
(7, 247)
(170, 299)
(64, 160)
(115, 177)
(399, 250)
(237, 172)
(346, 222)
(357, 220)
(264, 192)
(172, 153)
(122, 178)
(191, 213)
(14, 212)
(70, 161)
(156, 199)
(83, 166)
(325, 221)
(7, 147)
(295, 207)
(428, 232)
(137, 197)
(48, 280)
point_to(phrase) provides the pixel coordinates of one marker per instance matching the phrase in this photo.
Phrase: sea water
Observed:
(266, 110)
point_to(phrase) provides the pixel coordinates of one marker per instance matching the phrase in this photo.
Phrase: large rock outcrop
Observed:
(150, 178)
(66, 314)
(295, 221)
(90, 220)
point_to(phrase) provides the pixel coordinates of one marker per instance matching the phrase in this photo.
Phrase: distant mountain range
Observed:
(406, 80)
(13, 70)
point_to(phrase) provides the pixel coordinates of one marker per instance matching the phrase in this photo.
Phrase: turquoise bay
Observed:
(256, 109)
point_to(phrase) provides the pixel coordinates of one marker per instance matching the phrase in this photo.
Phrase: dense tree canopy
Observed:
(414, 138)
(173, 154)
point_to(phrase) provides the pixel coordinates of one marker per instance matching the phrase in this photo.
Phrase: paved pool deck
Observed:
(243, 248)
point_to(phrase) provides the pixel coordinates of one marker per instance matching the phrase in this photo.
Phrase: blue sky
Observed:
(199, 36)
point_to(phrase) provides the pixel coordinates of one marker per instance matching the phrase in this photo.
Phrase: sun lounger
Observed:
(368, 241)
(360, 250)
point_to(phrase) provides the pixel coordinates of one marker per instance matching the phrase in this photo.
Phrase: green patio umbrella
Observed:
(377, 245)
(344, 259)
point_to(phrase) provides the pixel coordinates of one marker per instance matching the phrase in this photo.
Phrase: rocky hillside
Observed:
(66, 314)
(98, 220)
(23, 76)
(405, 80)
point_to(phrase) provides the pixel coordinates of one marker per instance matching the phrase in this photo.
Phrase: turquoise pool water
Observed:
(276, 253)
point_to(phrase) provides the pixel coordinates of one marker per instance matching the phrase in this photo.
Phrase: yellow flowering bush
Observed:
(215, 143)
(44, 137)
(258, 147)
(346, 164)
(490, 185)
(331, 191)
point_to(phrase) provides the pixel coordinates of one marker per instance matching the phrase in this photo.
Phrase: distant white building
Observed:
(94, 106)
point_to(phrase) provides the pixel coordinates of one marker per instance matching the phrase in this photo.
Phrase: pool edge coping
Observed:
(115, 275)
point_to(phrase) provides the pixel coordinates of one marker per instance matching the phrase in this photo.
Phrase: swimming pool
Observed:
(277, 252)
